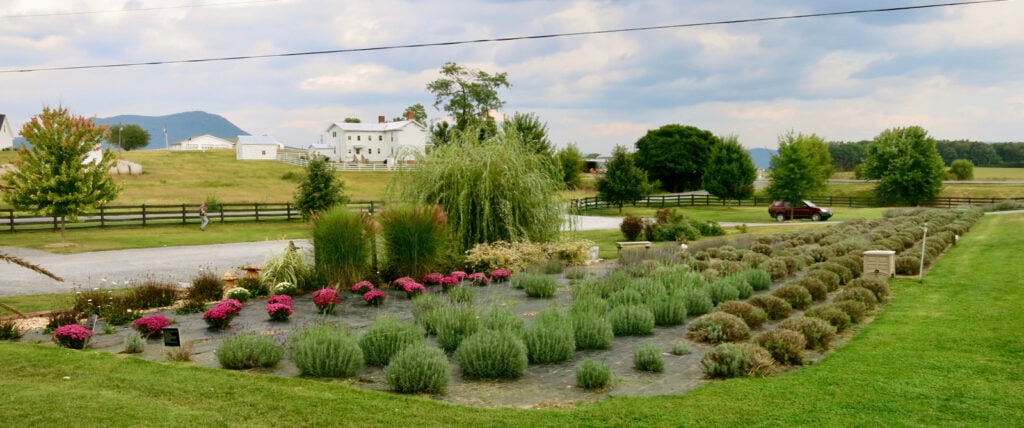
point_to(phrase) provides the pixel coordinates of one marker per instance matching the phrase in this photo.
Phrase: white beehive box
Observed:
(880, 262)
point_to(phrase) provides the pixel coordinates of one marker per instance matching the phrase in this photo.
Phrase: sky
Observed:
(957, 71)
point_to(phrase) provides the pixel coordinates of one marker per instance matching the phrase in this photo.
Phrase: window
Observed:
(378, 150)
(334, 134)
(358, 137)
(380, 138)
(350, 138)
(264, 153)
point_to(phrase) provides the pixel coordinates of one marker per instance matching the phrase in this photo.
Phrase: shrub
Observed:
(625, 297)
(827, 278)
(845, 275)
(817, 331)
(57, 319)
(669, 310)
(151, 325)
(878, 286)
(502, 319)
(718, 327)
(461, 295)
(588, 304)
(680, 348)
(134, 343)
(9, 330)
(814, 287)
(697, 301)
(739, 282)
(550, 338)
(206, 287)
(776, 268)
(575, 274)
(775, 307)
(219, 316)
(534, 285)
(833, 315)
(798, 297)
(859, 294)
(323, 350)
(855, 309)
(514, 256)
(786, 346)
(341, 245)
(190, 307)
(752, 315)
(592, 331)
(386, 337)
(853, 263)
(254, 286)
(490, 354)
(453, 324)
(648, 288)
(631, 320)
(153, 295)
(591, 374)
(425, 311)
(759, 279)
(728, 360)
(285, 289)
(247, 351)
(238, 293)
(722, 291)
(632, 227)
(647, 358)
(908, 264)
(418, 369)
(414, 238)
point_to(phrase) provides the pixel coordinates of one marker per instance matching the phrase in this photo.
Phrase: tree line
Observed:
(846, 156)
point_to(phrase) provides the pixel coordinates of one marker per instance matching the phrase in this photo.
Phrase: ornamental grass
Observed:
(647, 357)
(591, 374)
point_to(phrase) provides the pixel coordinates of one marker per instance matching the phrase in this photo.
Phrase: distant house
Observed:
(381, 142)
(325, 150)
(257, 147)
(203, 142)
(6, 134)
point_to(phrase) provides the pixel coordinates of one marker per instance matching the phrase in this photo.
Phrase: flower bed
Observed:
(325, 299)
(72, 336)
(150, 326)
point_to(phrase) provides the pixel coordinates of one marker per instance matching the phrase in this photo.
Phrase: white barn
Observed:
(381, 142)
(257, 147)
(6, 134)
(202, 142)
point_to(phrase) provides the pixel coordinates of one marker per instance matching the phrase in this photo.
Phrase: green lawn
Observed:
(746, 214)
(945, 352)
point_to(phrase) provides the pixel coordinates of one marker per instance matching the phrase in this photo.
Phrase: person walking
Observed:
(202, 216)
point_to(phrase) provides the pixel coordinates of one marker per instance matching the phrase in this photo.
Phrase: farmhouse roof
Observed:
(365, 127)
(257, 139)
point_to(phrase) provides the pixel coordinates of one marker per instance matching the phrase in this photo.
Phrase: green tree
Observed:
(440, 133)
(52, 177)
(419, 113)
(962, 169)
(491, 190)
(128, 137)
(623, 181)
(906, 164)
(730, 173)
(352, 120)
(675, 155)
(801, 168)
(571, 164)
(319, 189)
(531, 131)
(846, 156)
(468, 95)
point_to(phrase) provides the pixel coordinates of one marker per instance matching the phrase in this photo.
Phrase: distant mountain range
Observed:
(179, 126)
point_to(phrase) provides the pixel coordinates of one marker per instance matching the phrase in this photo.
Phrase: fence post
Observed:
(10, 216)
(257, 206)
(371, 208)
(102, 218)
(182, 214)
(288, 210)
(143, 215)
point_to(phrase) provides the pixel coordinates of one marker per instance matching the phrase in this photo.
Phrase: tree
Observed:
(800, 169)
(468, 95)
(730, 172)
(531, 131)
(962, 169)
(352, 120)
(623, 181)
(419, 113)
(128, 137)
(440, 133)
(491, 190)
(571, 164)
(906, 164)
(675, 155)
(846, 156)
(52, 177)
(319, 189)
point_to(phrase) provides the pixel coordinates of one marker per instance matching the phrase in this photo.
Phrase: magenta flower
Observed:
(500, 275)
(233, 304)
(433, 278)
(72, 336)
(413, 289)
(479, 279)
(279, 311)
(152, 325)
(401, 281)
(362, 287)
(459, 275)
(375, 297)
(219, 316)
(449, 282)
(283, 299)
(325, 299)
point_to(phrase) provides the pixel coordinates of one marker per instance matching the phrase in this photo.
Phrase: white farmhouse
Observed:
(6, 134)
(202, 142)
(257, 147)
(381, 142)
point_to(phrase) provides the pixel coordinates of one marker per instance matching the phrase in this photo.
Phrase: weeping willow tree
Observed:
(491, 190)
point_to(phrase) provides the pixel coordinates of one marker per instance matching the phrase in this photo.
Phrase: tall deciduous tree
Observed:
(571, 164)
(846, 156)
(906, 164)
(675, 155)
(800, 169)
(532, 132)
(623, 181)
(128, 137)
(319, 189)
(730, 173)
(53, 176)
(468, 95)
(419, 113)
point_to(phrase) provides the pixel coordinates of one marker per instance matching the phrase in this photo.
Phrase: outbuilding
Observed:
(257, 147)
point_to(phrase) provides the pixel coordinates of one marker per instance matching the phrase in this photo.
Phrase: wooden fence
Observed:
(690, 200)
(162, 215)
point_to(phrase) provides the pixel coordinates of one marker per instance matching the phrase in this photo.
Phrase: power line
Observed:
(501, 39)
(138, 9)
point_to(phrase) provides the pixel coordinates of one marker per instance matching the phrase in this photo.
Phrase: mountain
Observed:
(762, 157)
(179, 126)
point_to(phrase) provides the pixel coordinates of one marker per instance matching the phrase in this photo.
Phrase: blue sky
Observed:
(955, 71)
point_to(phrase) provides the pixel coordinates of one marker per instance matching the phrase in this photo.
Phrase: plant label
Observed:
(171, 336)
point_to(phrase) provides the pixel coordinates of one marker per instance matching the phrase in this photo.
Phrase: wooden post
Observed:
(183, 214)
(143, 215)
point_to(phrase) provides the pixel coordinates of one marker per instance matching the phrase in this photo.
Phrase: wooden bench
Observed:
(628, 244)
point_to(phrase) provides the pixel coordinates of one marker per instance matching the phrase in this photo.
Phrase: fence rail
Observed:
(693, 200)
(303, 161)
(162, 215)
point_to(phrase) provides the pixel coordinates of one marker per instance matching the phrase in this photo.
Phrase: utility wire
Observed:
(502, 39)
(138, 9)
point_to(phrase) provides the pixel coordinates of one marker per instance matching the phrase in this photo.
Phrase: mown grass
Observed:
(35, 303)
(944, 352)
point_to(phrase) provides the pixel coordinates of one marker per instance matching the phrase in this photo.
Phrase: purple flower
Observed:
(152, 325)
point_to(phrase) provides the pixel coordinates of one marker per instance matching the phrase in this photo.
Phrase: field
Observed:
(943, 353)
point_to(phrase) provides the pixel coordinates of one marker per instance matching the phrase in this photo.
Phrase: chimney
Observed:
(410, 115)
(381, 119)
